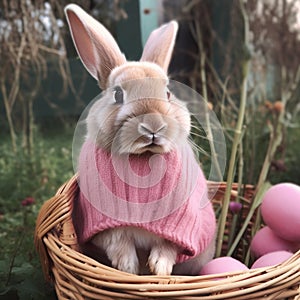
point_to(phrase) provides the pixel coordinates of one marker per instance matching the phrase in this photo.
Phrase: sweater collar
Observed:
(137, 188)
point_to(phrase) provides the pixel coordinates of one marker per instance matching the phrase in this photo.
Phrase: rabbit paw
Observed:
(126, 262)
(162, 259)
(120, 249)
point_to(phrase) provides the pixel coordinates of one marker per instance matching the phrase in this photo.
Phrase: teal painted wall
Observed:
(133, 32)
(149, 13)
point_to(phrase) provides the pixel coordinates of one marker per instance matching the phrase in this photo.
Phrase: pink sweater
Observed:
(164, 194)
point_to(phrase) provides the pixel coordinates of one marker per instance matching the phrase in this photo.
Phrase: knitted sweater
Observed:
(164, 194)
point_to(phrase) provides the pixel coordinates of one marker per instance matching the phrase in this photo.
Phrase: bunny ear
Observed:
(160, 44)
(96, 47)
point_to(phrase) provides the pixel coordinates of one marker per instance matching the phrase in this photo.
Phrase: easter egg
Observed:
(265, 241)
(280, 210)
(271, 259)
(222, 265)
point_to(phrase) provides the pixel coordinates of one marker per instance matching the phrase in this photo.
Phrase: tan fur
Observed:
(135, 71)
(148, 113)
(106, 119)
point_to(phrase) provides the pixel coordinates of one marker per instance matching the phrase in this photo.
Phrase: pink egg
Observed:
(271, 259)
(222, 265)
(266, 241)
(280, 210)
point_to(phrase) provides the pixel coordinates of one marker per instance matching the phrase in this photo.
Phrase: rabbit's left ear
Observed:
(160, 45)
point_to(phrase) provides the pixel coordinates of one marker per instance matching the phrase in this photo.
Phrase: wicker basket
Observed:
(77, 276)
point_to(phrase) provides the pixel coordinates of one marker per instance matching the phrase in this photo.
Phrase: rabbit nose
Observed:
(151, 133)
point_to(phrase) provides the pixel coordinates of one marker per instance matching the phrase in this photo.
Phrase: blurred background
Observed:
(44, 88)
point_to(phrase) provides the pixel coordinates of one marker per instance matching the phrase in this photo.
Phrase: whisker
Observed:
(197, 127)
(205, 138)
(198, 149)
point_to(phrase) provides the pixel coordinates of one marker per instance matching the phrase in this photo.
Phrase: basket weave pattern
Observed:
(77, 276)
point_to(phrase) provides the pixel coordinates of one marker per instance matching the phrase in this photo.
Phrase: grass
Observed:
(26, 181)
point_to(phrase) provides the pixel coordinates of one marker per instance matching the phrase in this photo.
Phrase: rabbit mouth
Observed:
(155, 146)
(153, 142)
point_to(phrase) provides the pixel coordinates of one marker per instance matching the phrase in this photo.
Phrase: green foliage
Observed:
(287, 168)
(261, 120)
(26, 181)
(25, 282)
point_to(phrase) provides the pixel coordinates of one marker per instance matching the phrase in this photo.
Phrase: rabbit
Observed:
(138, 120)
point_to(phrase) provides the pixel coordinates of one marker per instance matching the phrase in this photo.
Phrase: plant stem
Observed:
(276, 136)
(275, 140)
(12, 262)
(255, 203)
(237, 134)
(9, 118)
(205, 95)
(240, 181)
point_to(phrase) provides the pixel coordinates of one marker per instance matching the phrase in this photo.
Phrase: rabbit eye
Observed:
(118, 95)
(168, 95)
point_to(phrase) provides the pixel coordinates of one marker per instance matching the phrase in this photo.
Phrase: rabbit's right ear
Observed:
(160, 44)
(96, 47)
